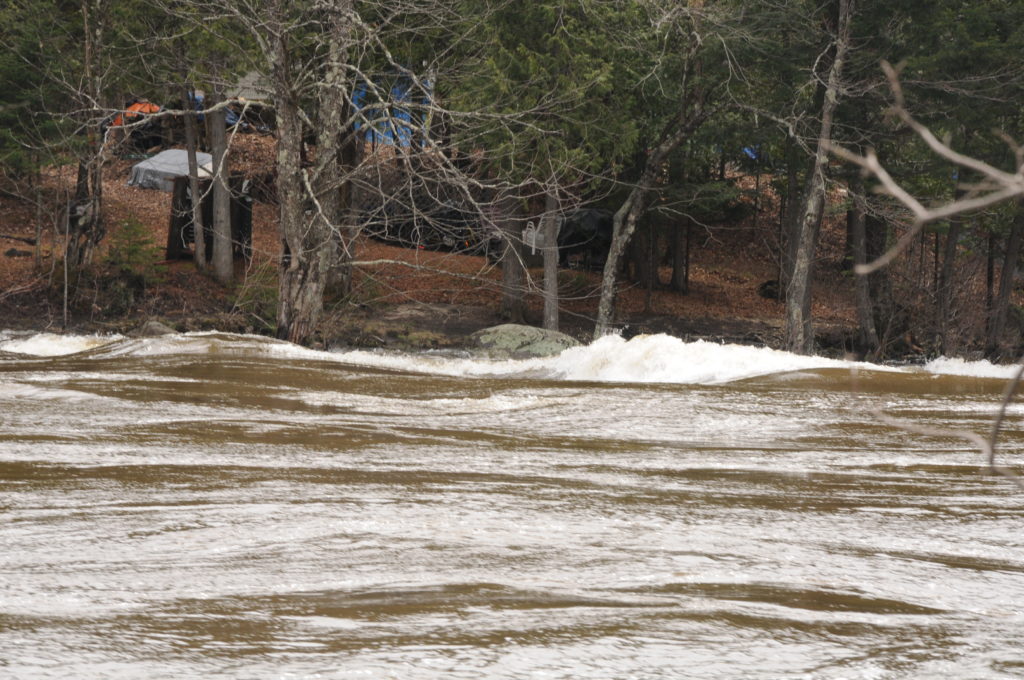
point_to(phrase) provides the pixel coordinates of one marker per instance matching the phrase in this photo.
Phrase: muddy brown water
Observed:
(215, 508)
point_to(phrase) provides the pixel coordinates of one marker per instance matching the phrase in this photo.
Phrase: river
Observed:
(212, 505)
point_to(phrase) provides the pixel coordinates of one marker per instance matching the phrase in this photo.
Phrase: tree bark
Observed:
(300, 291)
(788, 223)
(85, 224)
(799, 327)
(1007, 274)
(867, 334)
(191, 147)
(336, 151)
(550, 224)
(223, 257)
(623, 226)
(513, 268)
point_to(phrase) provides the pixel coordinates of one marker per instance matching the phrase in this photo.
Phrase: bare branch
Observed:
(1000, 186)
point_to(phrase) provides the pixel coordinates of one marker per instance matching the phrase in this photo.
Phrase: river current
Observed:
(213, 505)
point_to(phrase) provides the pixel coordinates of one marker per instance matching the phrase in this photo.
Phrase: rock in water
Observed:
(152, 329)
(515, 341)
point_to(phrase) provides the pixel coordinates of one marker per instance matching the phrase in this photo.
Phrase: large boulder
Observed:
(514, 341)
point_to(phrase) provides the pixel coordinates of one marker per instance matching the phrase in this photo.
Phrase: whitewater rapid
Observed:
(215, 505)
(642, 359)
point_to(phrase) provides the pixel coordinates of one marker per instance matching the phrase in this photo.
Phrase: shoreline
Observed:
(423, 326)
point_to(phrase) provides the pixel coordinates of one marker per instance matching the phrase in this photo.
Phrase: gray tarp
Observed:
(159, 171)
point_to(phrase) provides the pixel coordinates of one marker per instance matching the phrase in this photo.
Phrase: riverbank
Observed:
(393, 306)
(409, 326)
(400, 298)
(422, 310)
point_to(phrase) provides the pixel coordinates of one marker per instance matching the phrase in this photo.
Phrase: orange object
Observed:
(134, 112)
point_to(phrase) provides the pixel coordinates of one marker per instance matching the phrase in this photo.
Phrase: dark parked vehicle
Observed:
(585, 239)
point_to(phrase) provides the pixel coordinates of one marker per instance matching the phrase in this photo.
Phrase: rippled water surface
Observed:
(225, 506)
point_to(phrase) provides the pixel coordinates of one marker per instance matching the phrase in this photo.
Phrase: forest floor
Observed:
(407, 298)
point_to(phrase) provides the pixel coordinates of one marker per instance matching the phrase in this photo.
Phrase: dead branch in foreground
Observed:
(995, 187)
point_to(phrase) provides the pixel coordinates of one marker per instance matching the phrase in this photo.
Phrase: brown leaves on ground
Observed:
(727, 264)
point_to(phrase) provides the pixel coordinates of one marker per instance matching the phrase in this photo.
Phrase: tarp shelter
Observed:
(138, 125)
(399, 116)
(136, 111)
(159, 171)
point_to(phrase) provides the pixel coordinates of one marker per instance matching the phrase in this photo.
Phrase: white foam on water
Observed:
(28, 392)
(971, 369)
(657, 359)
(52, 344)
(206, 342)
(643, 359)
(445, 364)
(666, 359)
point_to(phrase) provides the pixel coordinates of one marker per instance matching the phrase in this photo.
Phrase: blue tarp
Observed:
(393, 121)
(231, 117)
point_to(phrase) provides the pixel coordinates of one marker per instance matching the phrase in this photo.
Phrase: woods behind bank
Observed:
(488, 122)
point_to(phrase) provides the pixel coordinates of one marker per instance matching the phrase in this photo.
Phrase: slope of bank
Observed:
(401, 298)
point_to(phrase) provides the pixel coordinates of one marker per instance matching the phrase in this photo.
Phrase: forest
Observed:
(610, 136)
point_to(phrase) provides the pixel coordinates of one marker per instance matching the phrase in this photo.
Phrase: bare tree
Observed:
(336, 146)
(867, 332)
(690, 109)
(799, 328)
(223, 256)
(1001, 305)
(191, 148)
(549, 224)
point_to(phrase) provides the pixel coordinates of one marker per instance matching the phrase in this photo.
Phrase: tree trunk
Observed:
(944, 282)
(623, 226)
(1007, 274)
(300, 296)
(550, 224)
(788, 224)
(799, 327)
(867, 334)
(884, 309)
(990, 279)
(632, 209)
(85, 223)
(336, 151)
(82, 182)
(300, 293)
(191, 147)
(681, 256)
(223, 257)
(513, 269)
